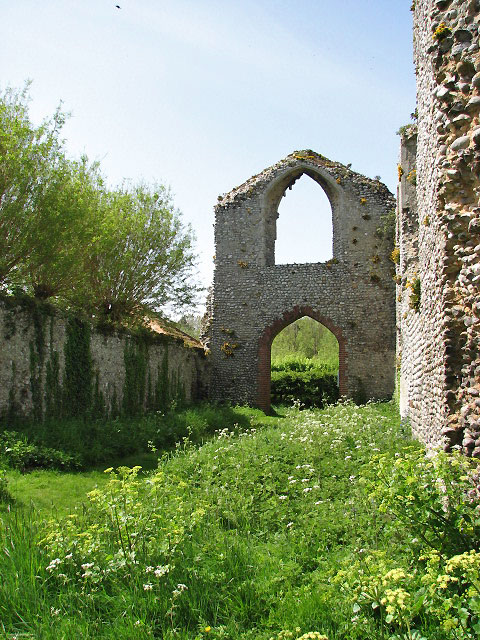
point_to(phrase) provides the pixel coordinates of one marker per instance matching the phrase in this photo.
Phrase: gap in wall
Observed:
(304, 224)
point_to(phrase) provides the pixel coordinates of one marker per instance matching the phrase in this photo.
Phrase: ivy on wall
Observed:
(78, 375)
(37, 359)
(136, 362)
(66, 385)
(162, 387)
(53, 387)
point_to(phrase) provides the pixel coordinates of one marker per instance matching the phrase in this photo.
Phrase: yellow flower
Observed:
(208, 629)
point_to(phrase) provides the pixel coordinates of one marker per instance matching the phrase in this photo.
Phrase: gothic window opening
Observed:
(304, 232)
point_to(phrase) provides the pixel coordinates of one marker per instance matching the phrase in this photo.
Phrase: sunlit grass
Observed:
(239, 538)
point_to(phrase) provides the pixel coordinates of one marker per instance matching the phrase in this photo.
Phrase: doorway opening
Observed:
(305, 365)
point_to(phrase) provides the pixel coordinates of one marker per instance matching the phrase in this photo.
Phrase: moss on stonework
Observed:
(12, 408)
(98, 410)
(162, 386)
(53, 387)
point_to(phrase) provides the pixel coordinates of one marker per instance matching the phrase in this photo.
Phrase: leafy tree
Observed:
(190, 324)
(141, 257)
(306, 338)
(56, 264)
(111, 253)
(29, 158)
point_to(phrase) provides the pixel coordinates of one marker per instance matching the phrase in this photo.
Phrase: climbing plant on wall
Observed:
(136, 363)
(78, 376)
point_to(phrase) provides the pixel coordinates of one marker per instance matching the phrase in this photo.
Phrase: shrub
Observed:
(313, 388)
(132, 530)
(80, 442)
(17, 452)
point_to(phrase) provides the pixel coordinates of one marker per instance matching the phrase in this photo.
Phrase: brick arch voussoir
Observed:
(265, 344)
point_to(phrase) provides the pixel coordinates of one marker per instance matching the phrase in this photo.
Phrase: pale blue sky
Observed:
(202, 94)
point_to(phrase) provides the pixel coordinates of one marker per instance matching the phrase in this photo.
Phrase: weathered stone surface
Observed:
(254, 299)
(440, 377)
(21, 338)
(460, 143)
(476, 80)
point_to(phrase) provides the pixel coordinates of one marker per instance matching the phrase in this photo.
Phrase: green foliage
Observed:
(429, 495)
(18, 453)
(120, 538)
(415, 287)
(53, 388)
(78, 376)
(37, 358)
(295, 362)
(386, 229)
(306, 338)
(441, 32)
(191, 324)
(162, 387)
(412, 177)
(304, 365)
(328, 520)
(314, 387)
(395, 256)
(111, 253)
(407, 130)
(93, 440)
(58, 262)
(251, 525)
(29, 162)
(433, 501)
(141, 256)
(5, 495)
(136, 363)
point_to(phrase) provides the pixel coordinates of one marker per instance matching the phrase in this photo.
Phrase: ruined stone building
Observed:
(254, 298)
(437, 255)
(438, 237)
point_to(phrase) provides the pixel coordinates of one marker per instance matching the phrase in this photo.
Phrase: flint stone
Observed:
(460, 143)
(473, 102)
(463, 35)
(443, 92)
(476, 80)
(476, 136)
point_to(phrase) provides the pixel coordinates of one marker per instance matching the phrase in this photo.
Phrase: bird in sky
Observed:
(118, 6)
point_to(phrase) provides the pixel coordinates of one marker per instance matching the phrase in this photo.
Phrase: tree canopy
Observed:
(66, 236)
(306, 338)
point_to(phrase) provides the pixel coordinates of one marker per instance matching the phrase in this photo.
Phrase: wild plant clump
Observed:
(430, 505)
(325, 524)
(18, 453)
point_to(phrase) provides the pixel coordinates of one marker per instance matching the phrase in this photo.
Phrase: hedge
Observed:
(313, 388)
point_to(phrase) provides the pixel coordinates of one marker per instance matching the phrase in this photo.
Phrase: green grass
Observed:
(258, 530)
(117, 441)
(53, 491)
